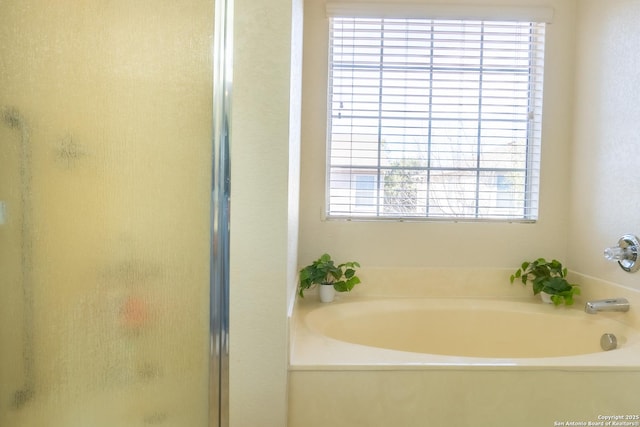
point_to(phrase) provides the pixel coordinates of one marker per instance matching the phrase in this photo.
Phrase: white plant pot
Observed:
(327, 293)
(546, 298)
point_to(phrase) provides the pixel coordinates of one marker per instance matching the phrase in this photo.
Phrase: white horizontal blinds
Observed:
(434, 118)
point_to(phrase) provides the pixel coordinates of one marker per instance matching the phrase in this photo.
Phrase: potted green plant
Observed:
(329, 276)
(547, 278)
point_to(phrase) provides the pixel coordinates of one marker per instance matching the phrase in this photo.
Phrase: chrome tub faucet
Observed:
(612, 304)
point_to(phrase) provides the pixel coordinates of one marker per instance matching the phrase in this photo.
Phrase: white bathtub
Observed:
(436, 361)
(458, 331)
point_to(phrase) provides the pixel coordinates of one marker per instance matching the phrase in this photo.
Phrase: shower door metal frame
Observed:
(220, 202)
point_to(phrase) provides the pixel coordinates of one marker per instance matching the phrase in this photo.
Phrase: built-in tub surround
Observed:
(345, 357)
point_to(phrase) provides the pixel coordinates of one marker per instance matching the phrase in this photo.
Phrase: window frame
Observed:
(532, 179)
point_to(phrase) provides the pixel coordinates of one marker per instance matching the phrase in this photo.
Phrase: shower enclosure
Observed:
(114, 203)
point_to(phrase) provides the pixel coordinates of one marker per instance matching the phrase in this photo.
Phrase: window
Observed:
(434, 119)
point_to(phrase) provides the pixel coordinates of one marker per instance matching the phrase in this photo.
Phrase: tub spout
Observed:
(614, 304)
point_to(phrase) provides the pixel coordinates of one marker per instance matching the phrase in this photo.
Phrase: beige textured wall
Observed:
(605, 195)
(263, 207)
(438, 244)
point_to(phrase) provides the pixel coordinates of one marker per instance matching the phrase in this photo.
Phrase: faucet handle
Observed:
(616, 253)
(626, 253)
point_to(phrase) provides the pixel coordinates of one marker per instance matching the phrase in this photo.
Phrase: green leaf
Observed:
(537, 288)
(556, 285)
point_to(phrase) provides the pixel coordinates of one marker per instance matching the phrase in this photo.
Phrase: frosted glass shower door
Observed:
(105, 206)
